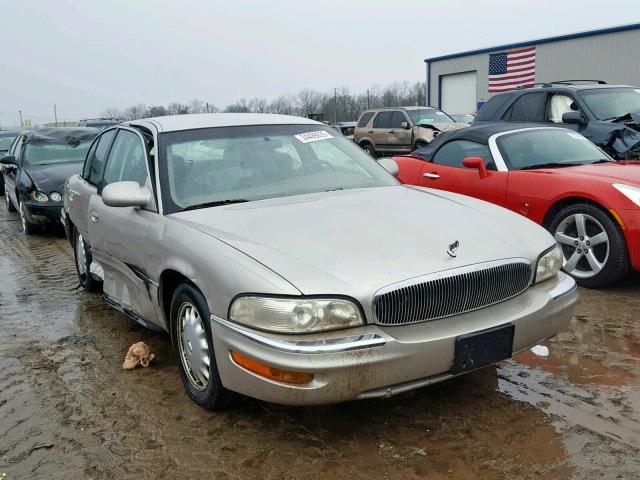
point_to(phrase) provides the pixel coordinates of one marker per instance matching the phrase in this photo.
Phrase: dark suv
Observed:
(608, 115)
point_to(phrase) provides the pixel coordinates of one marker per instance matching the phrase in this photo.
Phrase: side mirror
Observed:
(573, 118)
(477, 163)
(390, 166)
(405, 125)
(8, 160)
(125, 194)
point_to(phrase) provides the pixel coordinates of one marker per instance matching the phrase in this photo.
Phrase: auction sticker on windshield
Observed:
(313, 136)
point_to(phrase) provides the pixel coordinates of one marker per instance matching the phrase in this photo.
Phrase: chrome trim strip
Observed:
(331, 345)
(565, 287)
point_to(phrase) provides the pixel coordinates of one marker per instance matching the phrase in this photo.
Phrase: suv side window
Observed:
(453, 153)
(559, 104)
(382, 120)
(127, 161)
(396, 119)
(528, 108)
(364, 119)
(99, 157)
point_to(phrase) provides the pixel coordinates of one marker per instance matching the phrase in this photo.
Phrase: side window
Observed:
(126, 161)
(87, 160)
(396, 119)
(453, 153)
(559, 104)
(99, 157)
(382, 120)
(528, 108)
(364, 119)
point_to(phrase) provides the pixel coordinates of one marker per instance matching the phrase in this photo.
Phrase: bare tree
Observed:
(175, 108)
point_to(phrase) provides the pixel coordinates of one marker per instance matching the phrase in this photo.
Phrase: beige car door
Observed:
(380, 131)
(399, 134)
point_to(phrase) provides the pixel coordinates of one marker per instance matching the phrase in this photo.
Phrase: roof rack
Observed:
(572, 82)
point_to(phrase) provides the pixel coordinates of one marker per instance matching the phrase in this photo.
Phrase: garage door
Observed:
(458, 92)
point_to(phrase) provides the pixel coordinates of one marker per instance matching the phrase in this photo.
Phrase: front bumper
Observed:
(378, 361)
(39, 214)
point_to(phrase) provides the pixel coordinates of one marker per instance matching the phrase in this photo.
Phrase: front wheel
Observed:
(7, 200)
(28, 228)
(419, 144)
(193, 344)
(83, 258)
(593, 245)
(368, 148)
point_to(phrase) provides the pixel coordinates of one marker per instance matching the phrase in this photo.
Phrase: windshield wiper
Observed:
(551, 165)
(602, 160)
(217, 203)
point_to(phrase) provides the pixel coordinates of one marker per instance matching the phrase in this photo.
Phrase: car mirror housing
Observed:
(390, 166)
(573, 118)
(125, 194)
(8, 160)
(477, 163)
(405, 125)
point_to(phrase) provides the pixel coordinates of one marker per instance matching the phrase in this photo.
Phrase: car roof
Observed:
(191, 121)
(59, 133)
(481, 133)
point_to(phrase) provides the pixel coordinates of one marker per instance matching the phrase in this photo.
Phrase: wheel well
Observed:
(169, 281)
(565, 202)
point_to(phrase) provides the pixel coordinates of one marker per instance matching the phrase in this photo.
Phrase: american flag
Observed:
(511, 69)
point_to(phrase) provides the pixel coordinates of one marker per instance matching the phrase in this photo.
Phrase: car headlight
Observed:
(632, 193)
(295, 315)
(38, 196)
(55, 197)
(549, 264)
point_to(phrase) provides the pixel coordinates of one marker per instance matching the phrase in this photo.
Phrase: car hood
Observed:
(354, 242)
(627, 172)
(51, 178)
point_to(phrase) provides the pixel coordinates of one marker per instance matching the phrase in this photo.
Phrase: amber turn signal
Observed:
(284, 376)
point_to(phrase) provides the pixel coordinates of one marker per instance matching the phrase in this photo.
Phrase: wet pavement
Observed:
(68, 410)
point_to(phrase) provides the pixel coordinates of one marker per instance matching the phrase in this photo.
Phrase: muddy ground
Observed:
(68, 410)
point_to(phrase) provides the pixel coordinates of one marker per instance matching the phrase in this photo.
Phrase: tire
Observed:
(83, 259)
(368, 148)
(28, 228)
(1, 185)
(7, 201)
(577, 228)
(420, 144)
(190, 324)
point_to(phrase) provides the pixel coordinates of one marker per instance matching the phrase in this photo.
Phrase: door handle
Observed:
(95, 218)
(432, 176)
(370, 131)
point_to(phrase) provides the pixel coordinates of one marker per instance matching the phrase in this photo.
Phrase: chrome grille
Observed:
(451, 292)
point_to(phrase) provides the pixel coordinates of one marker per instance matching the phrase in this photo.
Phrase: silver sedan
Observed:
(289, 266)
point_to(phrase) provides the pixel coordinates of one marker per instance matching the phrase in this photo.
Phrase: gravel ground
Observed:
(68, 410)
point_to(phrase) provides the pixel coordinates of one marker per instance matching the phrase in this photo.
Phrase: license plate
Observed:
(478, 349)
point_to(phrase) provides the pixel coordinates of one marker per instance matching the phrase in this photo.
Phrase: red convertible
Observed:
(555, 177)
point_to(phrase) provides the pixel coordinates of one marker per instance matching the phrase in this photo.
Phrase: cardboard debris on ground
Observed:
(138, 354)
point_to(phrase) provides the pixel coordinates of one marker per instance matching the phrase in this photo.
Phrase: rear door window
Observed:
(99, 157)
(382, 120)
(528, 108)
(364, 119)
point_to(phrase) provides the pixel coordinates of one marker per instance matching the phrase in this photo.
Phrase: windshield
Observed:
(53, 153)
(611, 103)
(6, 141)
(548, 147)
(204, 166)
(429, 116)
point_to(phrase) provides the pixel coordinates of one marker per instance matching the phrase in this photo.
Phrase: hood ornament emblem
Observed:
(453, 248)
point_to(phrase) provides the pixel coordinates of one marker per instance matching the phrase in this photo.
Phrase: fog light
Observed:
(284, 376)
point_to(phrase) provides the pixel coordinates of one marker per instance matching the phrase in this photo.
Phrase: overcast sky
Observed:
(86, 56)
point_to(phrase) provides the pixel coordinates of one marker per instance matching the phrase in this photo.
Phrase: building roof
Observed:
(557, 38)
(172, 123)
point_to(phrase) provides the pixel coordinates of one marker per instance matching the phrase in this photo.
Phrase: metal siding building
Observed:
(608, 54)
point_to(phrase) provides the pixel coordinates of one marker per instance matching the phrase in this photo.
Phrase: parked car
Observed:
(99, 123)
(36, 169)
(384, 131)
(552, 175)
(6, 139)
(608, 115)
(462, 117)
(256, 241)
(346, 128)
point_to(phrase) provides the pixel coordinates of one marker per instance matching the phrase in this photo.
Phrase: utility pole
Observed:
(335, 105)
(20, 113)
(368, 99)
(207, 107)
(55, 114)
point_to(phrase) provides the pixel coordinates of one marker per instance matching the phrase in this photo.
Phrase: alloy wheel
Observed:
(81, 256)
(23, 217)
(585, 244)
(193, 346)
